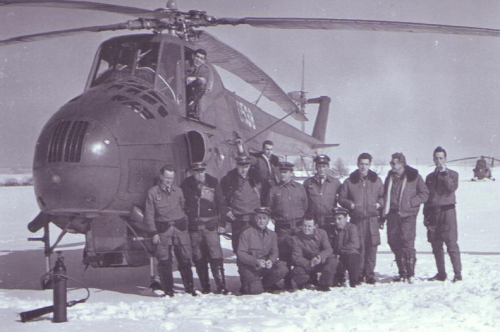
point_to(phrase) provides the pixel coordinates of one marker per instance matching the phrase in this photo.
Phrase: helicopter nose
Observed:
(76, 167)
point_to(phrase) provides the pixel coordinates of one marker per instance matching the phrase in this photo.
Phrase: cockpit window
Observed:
(142, 59)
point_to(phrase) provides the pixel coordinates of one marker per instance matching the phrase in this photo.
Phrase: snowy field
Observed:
(121, 301)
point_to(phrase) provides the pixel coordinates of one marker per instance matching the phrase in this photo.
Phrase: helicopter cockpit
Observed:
(156, 63)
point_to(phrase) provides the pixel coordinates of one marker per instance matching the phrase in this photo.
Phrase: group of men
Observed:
(312, 231)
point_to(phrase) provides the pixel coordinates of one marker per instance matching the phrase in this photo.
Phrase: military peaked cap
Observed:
(198, 166)
(286, 166)
(243, 160)
(339, 210)
(264, 210)
(322, 159)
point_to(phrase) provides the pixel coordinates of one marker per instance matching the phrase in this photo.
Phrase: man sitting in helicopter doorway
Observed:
(199, 80)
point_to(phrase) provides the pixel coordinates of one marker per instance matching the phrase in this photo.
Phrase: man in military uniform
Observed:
(312, 253)
(242, 190)
(321, 191)
(362, 194)
(404, 192)
(267, 166)
(205, 209)
(440, 216)
(257, 253)
(165, 220)
(288, 202)
(345, 240)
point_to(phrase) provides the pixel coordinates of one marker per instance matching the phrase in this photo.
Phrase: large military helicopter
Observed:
(97, 156)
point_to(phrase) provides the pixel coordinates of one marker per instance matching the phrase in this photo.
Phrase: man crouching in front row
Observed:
(312, 253)
(257, 254)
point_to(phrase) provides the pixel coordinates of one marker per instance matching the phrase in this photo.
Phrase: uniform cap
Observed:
(322, 159)
(286, 166)
(339, 210)
(198, 166)
(264, 210)
(243, 160)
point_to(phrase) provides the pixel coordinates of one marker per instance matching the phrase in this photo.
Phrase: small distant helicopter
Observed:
(98, 155)
(482, 171)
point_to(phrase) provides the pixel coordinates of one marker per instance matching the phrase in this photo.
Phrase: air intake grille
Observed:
(66, 142)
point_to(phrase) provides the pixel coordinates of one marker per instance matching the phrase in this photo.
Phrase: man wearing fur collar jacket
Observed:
(362, 194)
(404, 192)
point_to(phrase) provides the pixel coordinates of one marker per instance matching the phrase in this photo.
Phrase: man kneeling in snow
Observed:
(312, 253)
(345, 241)
(257, 254)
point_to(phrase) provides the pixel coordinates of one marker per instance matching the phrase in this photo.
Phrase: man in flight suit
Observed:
(440, 216)
(165, 220)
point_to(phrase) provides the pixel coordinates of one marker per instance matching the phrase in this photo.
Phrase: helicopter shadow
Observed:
(24, 270)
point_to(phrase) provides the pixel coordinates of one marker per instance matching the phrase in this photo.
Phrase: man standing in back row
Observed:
(321, 192)
(288, 201)
(404, 192)
(206, 212)
(362, 194)
(440, 216)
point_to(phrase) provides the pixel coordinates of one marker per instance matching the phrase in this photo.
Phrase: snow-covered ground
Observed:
(121, 301)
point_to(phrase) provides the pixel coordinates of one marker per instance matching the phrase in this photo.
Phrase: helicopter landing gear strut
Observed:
(47, 283)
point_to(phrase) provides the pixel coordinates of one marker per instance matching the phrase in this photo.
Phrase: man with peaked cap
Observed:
(345, 241)
(288, 202)
(257, 253)
(321, 191)
(242, 190)
(312, 254)
(267, 166)
(440, 216)
(206, 211)
(362, 194)
(404, 192)
(167, 223)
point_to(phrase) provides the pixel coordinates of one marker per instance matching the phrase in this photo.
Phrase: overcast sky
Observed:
(390, 91)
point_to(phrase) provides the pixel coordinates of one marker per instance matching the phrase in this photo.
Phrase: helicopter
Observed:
(482, 171)
(98, 155)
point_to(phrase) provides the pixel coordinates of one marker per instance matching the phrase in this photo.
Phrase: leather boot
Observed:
(202, 271)
(219, 277)
(401, 262)
(411, 260)
(166, 277)
(187, 280)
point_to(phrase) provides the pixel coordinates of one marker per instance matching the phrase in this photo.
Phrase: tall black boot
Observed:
(219, 277)
(411, 260)
(202, 271)
(187, 280)
(403, 273)
(401, 263)
(166, 277)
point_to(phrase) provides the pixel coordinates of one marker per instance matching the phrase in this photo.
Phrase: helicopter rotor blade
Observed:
(359, 25)
(69, 32)
(89, 5)
(226, 57)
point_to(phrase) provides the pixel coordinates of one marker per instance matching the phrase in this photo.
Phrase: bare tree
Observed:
(339, 168)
